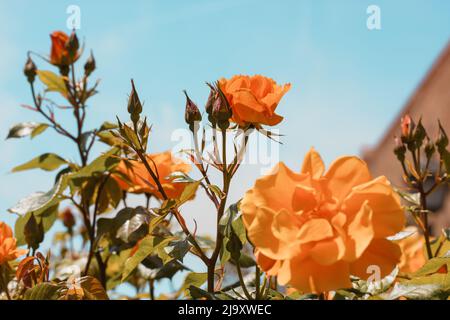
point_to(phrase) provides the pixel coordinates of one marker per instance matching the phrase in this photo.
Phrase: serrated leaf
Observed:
(195, 279)
(52, 81)
(46, 161)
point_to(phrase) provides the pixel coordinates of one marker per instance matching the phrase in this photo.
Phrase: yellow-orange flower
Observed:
(59, 54)
(413, 255)
(139, 180)
(314, 229)
(253, 99)
(8, 248)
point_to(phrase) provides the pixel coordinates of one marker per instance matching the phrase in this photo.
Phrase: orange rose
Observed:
(253, 99)
(60, 55)
(314, 230)
(140, 180)
(413, 255)
(8, 249)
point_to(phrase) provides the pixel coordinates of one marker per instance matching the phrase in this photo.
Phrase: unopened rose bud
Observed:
(33, 232)
(67, 218)
(134, 104)
(407, 126)
(72, 45)
(429, 149)
(89, 66)
(221, 110)
(192, 113)
(399, 150)
(30, 70)
(442, 140)
(419, 134)
(210, 104)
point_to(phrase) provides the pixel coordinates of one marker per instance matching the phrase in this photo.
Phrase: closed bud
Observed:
(221, 110)
(134, 104)
(407, 128)
(192, 113)
(419, 134)
(429, 149)
(399, 150)
(30, 70)
(72, 46)
(89, 66)
(442, 140)
(33, 232)
(67, 218)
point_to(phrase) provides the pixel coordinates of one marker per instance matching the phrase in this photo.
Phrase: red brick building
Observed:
(431, 101)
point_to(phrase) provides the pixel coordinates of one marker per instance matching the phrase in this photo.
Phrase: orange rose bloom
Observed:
(140, 180)
(59, 54)
(8, 249)
(253, 99)
(314, 229)
(413, 255)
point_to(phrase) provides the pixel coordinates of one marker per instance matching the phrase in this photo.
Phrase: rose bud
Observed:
(134, 104)
(67, 218)
(419, 134)
(72, 45)
(399, 150)
(442, 140)
(30, 70)
(33, 232)
(429, 149)
(407, 127)
(90, 65)
(221, 110)
(192, 113)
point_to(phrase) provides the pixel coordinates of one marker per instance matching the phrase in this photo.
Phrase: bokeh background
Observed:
(348, 82)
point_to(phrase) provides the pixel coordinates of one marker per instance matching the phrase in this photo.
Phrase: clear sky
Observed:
(348, 83)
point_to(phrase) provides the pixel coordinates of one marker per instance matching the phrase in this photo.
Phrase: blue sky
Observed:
(348, 83)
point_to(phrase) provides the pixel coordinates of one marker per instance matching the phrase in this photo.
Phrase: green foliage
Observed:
(46, 161)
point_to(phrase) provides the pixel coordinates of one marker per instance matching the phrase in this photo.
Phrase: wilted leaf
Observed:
(46, 161)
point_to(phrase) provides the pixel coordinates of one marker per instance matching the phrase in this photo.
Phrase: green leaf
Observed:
(37, 202)
(46, 161)
(107, 126)
(134, 228)
(39, 129)
(195, 279)
(178, 249)
(93, 289)
(43, 291)
(52, 81)
(188, 192)
(147, 246)
(98, 166)
(24, 129)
